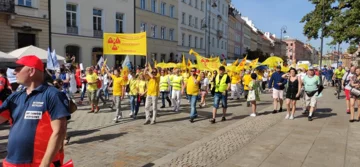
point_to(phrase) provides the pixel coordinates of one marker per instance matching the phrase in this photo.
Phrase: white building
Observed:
(217, 23)
(191, 30)
(78, 27)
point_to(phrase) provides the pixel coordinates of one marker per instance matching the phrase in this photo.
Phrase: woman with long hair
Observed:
(292, 92)
(355, 84)
(204, 83)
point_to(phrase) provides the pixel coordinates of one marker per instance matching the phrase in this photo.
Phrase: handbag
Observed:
(251, 95)
(311, 94)
(72, 106)
(355, 92)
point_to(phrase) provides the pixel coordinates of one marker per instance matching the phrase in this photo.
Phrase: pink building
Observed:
(297, 51)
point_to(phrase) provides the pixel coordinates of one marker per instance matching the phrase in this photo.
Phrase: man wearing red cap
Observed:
(39, 115)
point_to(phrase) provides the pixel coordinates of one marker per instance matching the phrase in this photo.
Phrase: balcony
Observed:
(7, 6)
(72, 30)
(219, 34)
(98, 33)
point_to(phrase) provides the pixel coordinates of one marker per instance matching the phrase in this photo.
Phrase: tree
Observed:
(352, 49)
(342, 20)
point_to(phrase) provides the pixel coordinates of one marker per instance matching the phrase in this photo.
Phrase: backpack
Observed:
(6, 92)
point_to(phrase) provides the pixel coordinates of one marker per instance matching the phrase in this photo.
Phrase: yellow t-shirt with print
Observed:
(92, 78)
(191, 87)
(133, 84)
(142, 86)
(153, 86)
(118, 84)
(246, 80)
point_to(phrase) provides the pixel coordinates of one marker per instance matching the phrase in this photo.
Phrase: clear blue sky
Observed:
(271, 15)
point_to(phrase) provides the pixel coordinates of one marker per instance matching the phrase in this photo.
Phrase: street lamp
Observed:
(322, 38)
(283, 30)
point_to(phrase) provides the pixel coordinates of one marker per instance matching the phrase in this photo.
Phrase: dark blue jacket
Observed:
(276, 78)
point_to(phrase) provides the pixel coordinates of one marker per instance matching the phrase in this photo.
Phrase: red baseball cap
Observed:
(31, 61)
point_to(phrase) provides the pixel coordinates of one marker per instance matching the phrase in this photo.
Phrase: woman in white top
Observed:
(204, 85)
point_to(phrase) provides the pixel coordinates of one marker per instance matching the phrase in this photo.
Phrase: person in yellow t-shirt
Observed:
(152, 95)
(92, 80)
(185, 76)
(246, 80)
(142, 85)
(235, 85)
(133, 94)
(192, 89)
(118, 91)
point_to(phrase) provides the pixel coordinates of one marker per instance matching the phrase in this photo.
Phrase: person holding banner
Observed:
(222, 86)
(152, 95)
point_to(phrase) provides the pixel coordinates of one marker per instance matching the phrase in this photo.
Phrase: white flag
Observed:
(49, 62)
(100, 62)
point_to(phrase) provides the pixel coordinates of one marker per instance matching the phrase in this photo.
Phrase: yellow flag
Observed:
(125, 44)
(189, 64)
(241, 64)
(183, 63)
(235, 62)
(253, 63)
(103, 67)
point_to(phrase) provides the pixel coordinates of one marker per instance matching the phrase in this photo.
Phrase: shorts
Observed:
(92, 97)
(203, 93)
(218, 97)
(347, 94)
(310, 101)
(7, 164)
(278, 94)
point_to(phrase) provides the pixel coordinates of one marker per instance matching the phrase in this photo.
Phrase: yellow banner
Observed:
(253, 63)
(125, 44)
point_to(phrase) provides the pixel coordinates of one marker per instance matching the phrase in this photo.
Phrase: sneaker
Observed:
(192, 120)
(200, 105)
(287, 116)
(162, 107)
(274, 112)
(223, 119)
(252, 115)
(212, 121)
(347, 111)
(97, 110)
(291, 117)
(146, 122)
(305, 112)
(153, 122)
(117, 118)
(131, 114)
(310, 118)
(280, 110)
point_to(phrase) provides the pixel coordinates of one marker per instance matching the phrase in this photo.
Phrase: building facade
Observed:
(159, 19)
(217, 32)
(78, 27)
(296, 51)
(191, 27)
(234, 38)
(23, 23)
(246, 37)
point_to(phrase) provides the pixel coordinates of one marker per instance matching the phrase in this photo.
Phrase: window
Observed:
(71, 10)
(171, 34)
(143, 27)
(142, 4)
(163, 8)
(222, 44)
(153, 31)
(195, 42)
(196, 22)
(223, 8)
(201, 43)
(219, 6)
(172, 11)
(153, 6)
(196, 4)
(202, 6)
(120, 23)
(189, 40)
(225, 45)
(163, 29)
(213, 23)
(25, 3)
(190, 3)
(183, 18)
(182, 39)
(97, 13)
(218, 25)
(190, 19)
(213, 42)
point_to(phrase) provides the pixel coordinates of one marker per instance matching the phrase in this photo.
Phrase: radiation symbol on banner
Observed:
(114, 43)
(205, 61)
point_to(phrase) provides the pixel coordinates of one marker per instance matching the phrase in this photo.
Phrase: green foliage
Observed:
(352, 49)
(342, 20)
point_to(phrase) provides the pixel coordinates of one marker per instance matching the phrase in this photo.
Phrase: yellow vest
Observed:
(176, 82)
(221, 85)
(164, 83)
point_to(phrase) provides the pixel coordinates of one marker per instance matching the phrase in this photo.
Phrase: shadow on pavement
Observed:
(81, 132)
(149, 165)
(100, 138)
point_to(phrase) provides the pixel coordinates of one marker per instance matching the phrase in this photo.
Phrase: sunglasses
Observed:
(193, 71)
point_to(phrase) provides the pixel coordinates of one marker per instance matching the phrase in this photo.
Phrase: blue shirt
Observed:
(276, 78)
(31, 116)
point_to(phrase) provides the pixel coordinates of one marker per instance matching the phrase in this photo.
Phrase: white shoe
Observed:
(253, 115)
(131, 114)
(117, 118)
(291, 117)
(287, 116)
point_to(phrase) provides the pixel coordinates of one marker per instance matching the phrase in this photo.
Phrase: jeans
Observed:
(83, 91)
(220, 96)
(164, 95)
(134, 104)
(106, 91)
(151, 100)
(99, 96)
(193, 99)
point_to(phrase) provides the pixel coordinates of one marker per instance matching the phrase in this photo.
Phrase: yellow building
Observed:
(23, 23)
